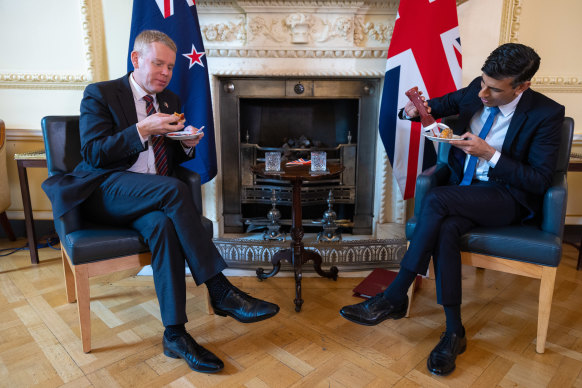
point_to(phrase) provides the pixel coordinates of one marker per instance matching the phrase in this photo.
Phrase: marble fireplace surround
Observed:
(308, 39)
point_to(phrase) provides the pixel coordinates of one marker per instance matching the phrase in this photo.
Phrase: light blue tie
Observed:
(472, 165)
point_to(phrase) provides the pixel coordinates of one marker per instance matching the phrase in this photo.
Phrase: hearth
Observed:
(338, 116)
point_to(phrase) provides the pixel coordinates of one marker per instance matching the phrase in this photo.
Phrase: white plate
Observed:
(440, 139)
(429, 134)
(183, 135)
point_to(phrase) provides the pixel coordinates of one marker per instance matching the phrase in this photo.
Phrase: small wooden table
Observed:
(297, 255)
(575, 165)
(23, 161)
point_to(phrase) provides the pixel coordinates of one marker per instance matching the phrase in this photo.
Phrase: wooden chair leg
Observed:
(7, 227)
(69, 278)
(208, 306)
(579, 266)
(545, 306)
(431, 272)
(84, 305)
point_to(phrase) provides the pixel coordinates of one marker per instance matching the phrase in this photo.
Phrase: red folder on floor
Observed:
(377, 281)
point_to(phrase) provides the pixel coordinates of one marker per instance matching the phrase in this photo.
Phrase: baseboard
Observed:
(573, 233)
(42, 228)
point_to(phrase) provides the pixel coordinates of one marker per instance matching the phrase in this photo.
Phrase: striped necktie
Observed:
(472, 165)
(160, 154)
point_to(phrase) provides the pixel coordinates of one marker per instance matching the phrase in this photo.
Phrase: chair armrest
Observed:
(69, 222)
(435, 176)
(192, 179)
(554, 206)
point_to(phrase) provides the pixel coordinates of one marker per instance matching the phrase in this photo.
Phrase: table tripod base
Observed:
(305, 256)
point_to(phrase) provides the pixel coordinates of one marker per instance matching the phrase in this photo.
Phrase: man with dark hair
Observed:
(515, 61)
(125, 178)
(499, 173)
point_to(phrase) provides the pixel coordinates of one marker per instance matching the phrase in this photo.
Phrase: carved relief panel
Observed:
(296, 24)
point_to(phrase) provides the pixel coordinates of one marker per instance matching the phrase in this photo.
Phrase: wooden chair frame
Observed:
(77, 285)
(546, 275)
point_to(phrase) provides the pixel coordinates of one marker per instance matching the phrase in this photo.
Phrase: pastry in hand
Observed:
(180, 117)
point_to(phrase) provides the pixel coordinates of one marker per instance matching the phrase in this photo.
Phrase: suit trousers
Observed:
(161, 209)
(448, 212)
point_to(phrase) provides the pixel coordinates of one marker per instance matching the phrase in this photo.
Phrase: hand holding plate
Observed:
(474, 145)
(193, 142)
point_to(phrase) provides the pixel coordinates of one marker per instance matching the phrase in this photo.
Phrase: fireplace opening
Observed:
(325, 123)
(295, 127)
(295, 116)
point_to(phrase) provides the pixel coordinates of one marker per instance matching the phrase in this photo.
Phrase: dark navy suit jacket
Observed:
(109, 142)
(530, 149)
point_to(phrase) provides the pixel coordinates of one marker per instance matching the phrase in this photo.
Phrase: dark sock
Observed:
(397, 291)
(173, 331)
(453, 316)
(218, 286)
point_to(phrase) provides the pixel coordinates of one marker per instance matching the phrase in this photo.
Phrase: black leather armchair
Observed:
(90, 249)
(528, 250)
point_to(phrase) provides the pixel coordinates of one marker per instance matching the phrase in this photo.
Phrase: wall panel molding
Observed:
(91, 16)
(511, 21)
(24, 135)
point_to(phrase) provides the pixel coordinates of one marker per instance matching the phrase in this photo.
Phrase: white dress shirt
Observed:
(145, 162)
(494, 138)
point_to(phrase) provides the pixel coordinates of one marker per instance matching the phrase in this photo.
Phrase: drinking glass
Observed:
(318, 161)
(272, 161)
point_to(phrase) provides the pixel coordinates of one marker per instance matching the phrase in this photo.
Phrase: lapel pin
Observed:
(165, 104)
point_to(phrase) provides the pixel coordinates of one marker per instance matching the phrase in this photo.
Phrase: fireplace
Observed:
(262, 114)
(324, 60)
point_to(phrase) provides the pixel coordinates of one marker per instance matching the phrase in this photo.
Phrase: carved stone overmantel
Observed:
(297, 29)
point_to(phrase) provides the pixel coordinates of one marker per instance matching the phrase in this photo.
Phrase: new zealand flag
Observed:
(179, 20)
(425, 51)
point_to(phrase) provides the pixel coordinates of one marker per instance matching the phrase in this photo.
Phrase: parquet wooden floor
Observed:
(40, 345)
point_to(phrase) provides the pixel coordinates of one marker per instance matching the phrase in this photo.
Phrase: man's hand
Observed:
(159, 124)
(474, 145)
(411, 110)
(192, 142)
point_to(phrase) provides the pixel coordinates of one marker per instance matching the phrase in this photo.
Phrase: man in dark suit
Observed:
(499, 173)
(125, 178)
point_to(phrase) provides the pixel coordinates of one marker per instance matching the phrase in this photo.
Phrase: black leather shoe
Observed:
(373, 311)
(442, 358)
(243, 307)
(198, 358)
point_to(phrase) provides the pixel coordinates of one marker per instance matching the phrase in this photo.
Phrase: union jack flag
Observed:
(425, 51)
(179, 20)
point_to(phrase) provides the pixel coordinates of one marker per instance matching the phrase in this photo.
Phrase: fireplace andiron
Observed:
(330, 230)
(273, 231)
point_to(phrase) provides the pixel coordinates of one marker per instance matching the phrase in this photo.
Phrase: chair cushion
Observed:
(94, 244)
(525, 243)
(101, 243)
